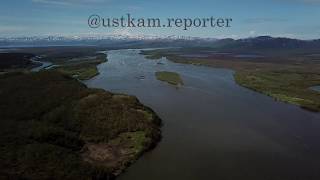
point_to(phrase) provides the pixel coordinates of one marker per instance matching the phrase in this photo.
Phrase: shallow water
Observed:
(44, 65)
(248, 56)
(316, 88)
(213, 128)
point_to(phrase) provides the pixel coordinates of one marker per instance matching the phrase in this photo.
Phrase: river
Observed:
(43, 64)
(316, 88)
(214, 128)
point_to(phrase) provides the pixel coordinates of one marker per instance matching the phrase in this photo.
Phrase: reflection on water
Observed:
(316, 88)
(248, 56)
(43, 64)
(213, 128)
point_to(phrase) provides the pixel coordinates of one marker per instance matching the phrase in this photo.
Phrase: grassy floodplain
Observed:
(169, 77)
(285, 78)
(82, 68)
(291, 87)
(78, 62)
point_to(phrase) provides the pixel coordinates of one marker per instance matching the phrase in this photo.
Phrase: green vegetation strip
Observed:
(53, 127)
(291, 87)
(169, 77)
(82, 68)
(285, 82)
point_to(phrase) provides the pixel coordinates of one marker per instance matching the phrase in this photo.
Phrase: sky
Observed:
(279, 18)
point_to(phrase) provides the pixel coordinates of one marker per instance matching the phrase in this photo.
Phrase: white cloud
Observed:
(123, 32)
(252, 33)
(12, 29)
(310, 1)
(303, 1)
(134, 8)
(264, 20)
(69, 2)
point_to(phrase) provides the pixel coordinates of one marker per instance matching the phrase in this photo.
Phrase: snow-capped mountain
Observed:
(102, 37)
(102, 40)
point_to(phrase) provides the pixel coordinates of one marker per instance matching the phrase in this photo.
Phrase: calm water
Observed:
(44, 65)
(213, 128)
(248, 56)
(316, 88)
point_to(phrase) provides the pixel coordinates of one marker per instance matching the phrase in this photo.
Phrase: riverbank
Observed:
(82, 68)
(287, 80)
(52, 126)
(77, 63)
(216, 121)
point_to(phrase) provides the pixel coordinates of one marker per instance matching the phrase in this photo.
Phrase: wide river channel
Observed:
(213, 128)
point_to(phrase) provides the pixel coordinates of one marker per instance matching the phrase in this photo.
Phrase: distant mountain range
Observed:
(113, 40)
(267, 43)
(256, 44)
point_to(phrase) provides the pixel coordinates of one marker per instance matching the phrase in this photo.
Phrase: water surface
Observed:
(213, 128)
(43, 64)
(248, 56)
(316, 88)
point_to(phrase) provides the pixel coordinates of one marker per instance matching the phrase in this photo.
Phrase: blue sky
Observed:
(288, 18)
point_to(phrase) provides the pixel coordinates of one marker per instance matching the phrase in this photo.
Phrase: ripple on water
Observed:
(213, 128)
(316, 88)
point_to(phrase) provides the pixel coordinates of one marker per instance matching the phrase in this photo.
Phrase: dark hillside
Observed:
(53, 127)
